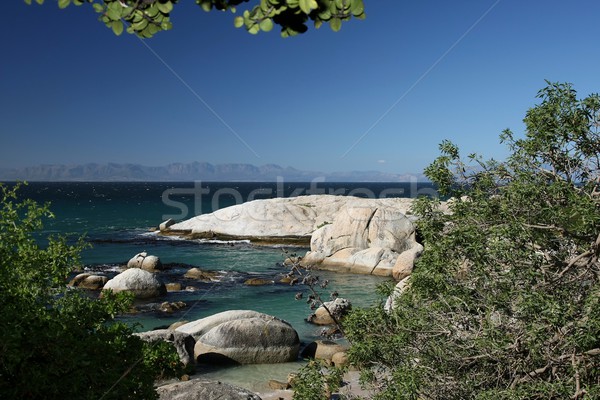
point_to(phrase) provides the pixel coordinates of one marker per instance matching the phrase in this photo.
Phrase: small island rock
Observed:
(141, 283)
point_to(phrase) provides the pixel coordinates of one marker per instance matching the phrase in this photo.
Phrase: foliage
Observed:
(162, 358)
(505, 301)
(147, 17)
(59, 343)
(315, 382)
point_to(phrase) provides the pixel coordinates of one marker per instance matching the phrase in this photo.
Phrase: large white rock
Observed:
(365, 238)
(244, 337)
(142, 284)
(279, 217)
(348, 234)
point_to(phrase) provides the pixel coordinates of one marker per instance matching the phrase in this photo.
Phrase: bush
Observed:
(505, 301)
(58, 343)
(316, 381)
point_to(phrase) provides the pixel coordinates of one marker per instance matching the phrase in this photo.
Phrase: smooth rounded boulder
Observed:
(89, 281)
(243, 337)
(144, 261)
(338, 308)
(141, 283)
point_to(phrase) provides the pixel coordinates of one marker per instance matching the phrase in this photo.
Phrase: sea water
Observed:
(118, 220)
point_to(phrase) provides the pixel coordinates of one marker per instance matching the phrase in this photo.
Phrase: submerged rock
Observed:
(243, 337)
(197, 273)
(258, 282)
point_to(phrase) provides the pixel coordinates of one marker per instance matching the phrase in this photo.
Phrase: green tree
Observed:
(505, 301)
(58, 343)
(147, 17)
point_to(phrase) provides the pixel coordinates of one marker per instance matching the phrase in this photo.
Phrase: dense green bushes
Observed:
(57, 343)
(505, 301)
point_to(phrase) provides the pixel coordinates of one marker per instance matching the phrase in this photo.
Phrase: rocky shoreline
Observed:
(345, 234)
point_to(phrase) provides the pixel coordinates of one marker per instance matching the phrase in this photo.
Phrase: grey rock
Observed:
(243, 337)
(196, 389)
(144, 261)
(338, 308)
(89, 281)
(142, 284)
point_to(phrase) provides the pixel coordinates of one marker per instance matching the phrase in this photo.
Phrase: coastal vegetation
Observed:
(148, 17)
(58, 343)
(504, 302)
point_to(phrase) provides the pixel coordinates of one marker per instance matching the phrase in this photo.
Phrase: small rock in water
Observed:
(258, 282)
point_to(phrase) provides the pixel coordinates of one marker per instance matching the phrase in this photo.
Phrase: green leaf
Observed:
(117, 27)
(63, 3)
(335, 24)
(139, 26)
(357, 7)
(28, 2)
(99, 8)
(165, 8)
(113, 14)
(308, 5)
(238, 22)
(266, 24)
(206, 5)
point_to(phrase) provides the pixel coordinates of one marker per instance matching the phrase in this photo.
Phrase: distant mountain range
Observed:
(195, 171)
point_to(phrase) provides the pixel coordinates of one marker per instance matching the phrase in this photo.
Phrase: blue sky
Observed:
(378, 95)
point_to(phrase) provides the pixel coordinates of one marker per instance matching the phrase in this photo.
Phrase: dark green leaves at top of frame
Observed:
(148, 17)
(292, 15)
(143, 18)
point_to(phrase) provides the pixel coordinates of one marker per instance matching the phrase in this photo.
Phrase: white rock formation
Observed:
(365, 238)
(280, 217)
(348, 234)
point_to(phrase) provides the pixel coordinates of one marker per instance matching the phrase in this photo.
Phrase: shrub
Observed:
(58, 343)
(505, 301)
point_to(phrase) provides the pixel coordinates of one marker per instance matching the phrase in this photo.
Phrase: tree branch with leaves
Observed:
(145, 18)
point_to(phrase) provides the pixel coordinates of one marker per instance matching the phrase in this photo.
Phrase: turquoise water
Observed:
(116, 219)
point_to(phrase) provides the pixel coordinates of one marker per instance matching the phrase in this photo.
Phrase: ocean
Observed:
(117, 220)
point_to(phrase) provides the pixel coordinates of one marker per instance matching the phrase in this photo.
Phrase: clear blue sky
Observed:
(72, 92)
